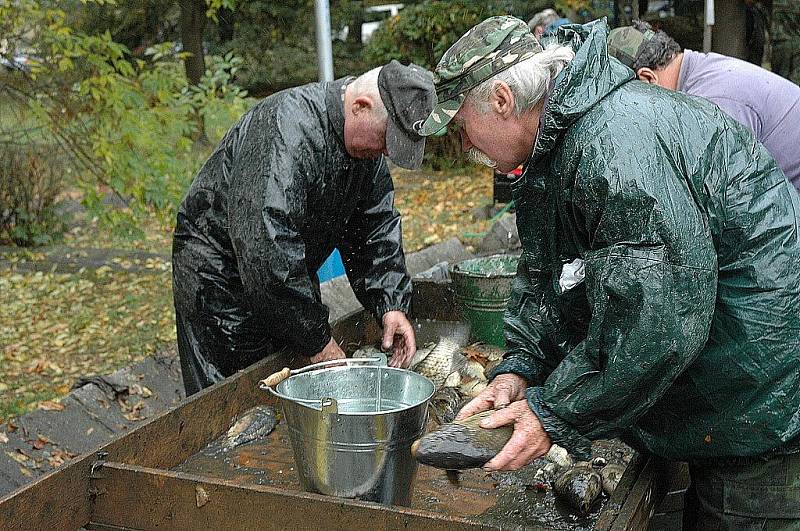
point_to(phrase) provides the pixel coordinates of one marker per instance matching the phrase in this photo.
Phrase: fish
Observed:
(461, 444)
(580, 486)
(473, 379)
(472, 388)
(559, 456)
(368, 352)
(440, 362)
(445, 405)
(489, 356)
(611, 474)
(545, 475)
(255, 423)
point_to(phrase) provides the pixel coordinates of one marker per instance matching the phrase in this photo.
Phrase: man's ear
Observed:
(502, 99)
(647, 75)
(362, 103)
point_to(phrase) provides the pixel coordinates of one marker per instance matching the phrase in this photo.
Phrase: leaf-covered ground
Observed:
(57, 327)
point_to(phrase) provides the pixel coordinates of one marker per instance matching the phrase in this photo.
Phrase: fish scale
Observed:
(442, 360)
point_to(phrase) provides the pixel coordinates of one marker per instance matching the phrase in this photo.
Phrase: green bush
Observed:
(30, 183)
(127, 124)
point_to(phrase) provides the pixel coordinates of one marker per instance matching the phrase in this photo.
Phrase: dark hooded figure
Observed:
(299, 175)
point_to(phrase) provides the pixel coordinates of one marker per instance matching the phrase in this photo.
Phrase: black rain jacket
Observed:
(262, 215)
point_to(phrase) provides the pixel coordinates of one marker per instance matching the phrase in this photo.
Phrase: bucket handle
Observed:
(270, 382)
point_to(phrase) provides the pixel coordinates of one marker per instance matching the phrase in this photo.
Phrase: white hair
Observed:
(528, 79)
(367, 85)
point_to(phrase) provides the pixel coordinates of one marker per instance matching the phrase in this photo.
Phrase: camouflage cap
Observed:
(626, 43)
(492, 46)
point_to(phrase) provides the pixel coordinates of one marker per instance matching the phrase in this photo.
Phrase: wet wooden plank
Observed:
(646, 493)
(60, 500)
(626, 484)
(142, 498)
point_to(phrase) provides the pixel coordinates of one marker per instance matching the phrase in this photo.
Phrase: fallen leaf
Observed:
(49, 405)
(17, 456)
(3, 437)
(36, 367)
(201, 496)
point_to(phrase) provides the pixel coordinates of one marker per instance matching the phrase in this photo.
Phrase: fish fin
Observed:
(453, 476)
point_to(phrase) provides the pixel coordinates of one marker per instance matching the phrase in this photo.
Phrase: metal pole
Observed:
(708, 25)
(324, 53)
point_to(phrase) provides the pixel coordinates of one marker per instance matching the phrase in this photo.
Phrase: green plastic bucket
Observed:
(482, 287)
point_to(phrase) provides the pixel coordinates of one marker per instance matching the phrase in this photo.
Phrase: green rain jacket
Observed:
(684, 338)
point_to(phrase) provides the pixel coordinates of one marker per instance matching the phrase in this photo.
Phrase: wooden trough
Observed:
(129, 482)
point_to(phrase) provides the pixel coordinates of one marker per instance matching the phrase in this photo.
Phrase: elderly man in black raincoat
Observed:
(300, 174)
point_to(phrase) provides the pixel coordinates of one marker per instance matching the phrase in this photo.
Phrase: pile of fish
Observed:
(459, 374)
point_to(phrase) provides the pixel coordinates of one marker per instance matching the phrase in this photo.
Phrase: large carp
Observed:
(461, 444)
(464, 444)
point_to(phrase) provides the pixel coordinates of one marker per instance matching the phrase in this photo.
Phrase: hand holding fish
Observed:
(398, 334)
(504, 389)
(332, 351)
(528, 442)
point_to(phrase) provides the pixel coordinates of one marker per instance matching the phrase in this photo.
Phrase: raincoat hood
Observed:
(586, 80)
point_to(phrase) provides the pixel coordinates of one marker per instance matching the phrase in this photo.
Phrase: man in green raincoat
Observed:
(676, 325)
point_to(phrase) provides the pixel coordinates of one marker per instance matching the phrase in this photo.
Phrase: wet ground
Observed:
(500, 498)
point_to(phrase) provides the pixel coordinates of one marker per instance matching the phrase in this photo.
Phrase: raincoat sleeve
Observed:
(267, 208)
(529, 316)
(651, 276)
(372, 250)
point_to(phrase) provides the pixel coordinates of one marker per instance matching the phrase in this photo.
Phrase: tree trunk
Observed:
(193, 25)
(225, 17)
(354, 27)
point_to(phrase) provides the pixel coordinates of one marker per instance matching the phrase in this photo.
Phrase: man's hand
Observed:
(528, 442)
(503, 390)
(330, 352)
(398, 335)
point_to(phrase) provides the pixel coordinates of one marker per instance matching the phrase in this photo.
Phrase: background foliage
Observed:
(125, 124)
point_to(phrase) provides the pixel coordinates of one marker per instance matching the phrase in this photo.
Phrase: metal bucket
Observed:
(352, 425)
(483, 287)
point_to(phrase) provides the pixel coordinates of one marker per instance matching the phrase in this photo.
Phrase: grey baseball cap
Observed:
(408, 94)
